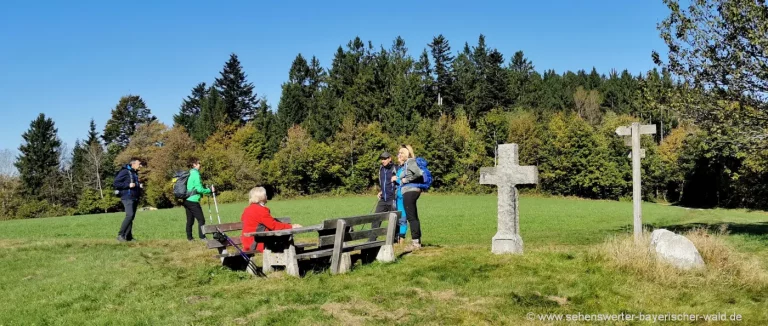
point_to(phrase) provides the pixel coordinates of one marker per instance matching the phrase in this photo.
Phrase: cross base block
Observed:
(507, 243)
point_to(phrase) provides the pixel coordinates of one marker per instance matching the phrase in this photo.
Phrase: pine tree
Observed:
(127, 114)
(93, 135)
(78, 163)
(294, 100)
(520, 73)
(466, 79)
(423, 70)
(316, 75)
(237, 93)
(594, 81)
(212, 113)
(441, 56)
(266, 123)
(190, 108)
(498, 79)
(317, 82)
(38, 160)
(403, 80)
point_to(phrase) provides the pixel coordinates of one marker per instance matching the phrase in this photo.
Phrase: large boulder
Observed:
(675, 249)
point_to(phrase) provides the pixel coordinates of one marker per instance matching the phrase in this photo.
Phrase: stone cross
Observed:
(635, 130)
(506, 175)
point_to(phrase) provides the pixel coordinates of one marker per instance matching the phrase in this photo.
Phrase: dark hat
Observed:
(384, 156)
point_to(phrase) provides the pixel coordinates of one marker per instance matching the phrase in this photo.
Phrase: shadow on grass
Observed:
(756, 229)
(306, 266)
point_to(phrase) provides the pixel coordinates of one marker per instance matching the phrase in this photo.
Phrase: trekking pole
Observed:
(216, 204)
(219, 235)
(210, 215)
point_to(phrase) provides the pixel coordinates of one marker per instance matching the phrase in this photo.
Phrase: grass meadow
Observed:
(579, 259)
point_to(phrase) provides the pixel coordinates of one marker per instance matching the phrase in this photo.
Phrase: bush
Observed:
(90, 202)
(231, 197)
(41, 208)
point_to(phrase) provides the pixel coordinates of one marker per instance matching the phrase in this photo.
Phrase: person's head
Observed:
(193, 163)
(385, 158)
(257, 195)
(135, 163)
(405, 152)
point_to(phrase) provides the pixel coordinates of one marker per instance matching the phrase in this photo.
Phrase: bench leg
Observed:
(346, 263)
(267, 262)
(291, 263)
(386, 254)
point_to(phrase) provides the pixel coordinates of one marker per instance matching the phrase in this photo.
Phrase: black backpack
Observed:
(180, 185)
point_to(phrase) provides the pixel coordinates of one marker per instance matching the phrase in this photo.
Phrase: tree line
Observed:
(454, 107)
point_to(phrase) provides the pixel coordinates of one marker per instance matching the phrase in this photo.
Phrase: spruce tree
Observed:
(93, 135)
(127, 114)
(190, 108)
(39, 155)
(212, 113)
(520, 70)
(498, 79)
(423, 70)
(238, 96)
(441, 56)
(294, 100)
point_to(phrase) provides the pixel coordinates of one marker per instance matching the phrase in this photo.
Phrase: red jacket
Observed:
(257, 218)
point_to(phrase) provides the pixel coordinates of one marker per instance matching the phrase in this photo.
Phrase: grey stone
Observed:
(675, 249)
(506, 176)
(346, 263)
(386, 254)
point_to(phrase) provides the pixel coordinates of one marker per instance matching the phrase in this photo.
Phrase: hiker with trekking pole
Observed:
(194, 190)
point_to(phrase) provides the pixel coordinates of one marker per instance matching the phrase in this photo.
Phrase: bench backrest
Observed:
(330, 228)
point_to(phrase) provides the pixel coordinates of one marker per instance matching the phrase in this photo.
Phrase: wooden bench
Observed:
(336, 239)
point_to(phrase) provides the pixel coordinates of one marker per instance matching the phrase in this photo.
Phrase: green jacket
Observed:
(194, 183)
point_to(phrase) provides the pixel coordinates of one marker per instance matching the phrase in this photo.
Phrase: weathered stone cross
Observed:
(506, 176)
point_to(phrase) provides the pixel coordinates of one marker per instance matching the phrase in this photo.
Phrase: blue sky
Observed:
(73, 60)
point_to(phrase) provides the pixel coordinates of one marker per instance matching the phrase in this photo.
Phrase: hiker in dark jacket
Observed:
(386, 188)
(129, 188)
(409, 173)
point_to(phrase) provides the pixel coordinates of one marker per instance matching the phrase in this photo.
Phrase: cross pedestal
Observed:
(506, 175)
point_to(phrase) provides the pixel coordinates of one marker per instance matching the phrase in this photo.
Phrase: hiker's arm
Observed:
(413, 172)
(272, 224)
(197, 184)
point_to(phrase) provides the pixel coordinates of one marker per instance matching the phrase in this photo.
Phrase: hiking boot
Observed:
(415, 245)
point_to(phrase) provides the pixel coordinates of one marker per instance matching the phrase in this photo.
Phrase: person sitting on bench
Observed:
(257, 218)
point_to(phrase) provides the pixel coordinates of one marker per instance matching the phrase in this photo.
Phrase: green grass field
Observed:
(72, 271)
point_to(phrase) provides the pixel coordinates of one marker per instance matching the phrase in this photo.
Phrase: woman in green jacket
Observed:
(192, 203)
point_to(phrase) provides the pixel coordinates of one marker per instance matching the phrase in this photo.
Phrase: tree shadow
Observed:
(756, 228)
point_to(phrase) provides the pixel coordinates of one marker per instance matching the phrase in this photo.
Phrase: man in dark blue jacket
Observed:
(386, 188)
(130, 189)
